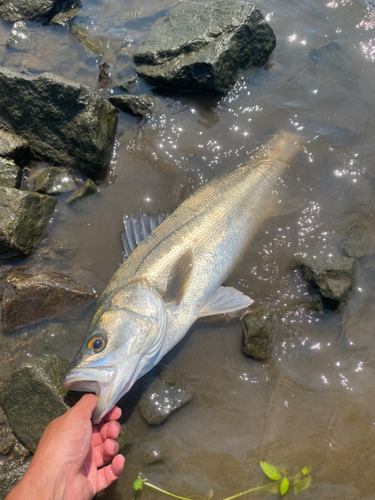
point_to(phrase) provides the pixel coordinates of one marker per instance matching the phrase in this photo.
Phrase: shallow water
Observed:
(313, 403)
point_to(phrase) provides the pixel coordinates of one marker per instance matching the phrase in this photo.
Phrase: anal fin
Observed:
(225, 300)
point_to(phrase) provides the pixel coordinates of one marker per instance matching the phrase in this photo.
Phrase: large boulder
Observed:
(65, 123)
(30, 298)
(202, 46)
(24, 217)
(28, 10)
(34, 396)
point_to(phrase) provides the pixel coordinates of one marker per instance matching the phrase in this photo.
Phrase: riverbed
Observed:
(312, 403)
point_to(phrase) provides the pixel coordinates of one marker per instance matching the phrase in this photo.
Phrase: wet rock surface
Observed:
(160, 400)
(12, 475)
(24, 217)
(56, 249)
(10, 174)
(152, 456)
(54, 180)
(7, 439)
(30, 297)
(73, 127)
(19, 37)
(137, 105)
(127, 83)
(28, 10)
(13, 146)
(360, 238)
(202, 46)
(87, 189)
(33, 397)
(333, 277)
(257, 329)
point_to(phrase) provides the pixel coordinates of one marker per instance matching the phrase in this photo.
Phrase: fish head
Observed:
(124, 341)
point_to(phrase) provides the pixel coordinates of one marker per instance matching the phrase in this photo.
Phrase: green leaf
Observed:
(270, 471)
(284, 485)
(302, 485)
(305, 470)
(138, 483)
(210, 494)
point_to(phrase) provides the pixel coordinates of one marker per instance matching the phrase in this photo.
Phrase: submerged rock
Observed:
(65, 18)
(34, 396)
(333, 277)
(28, 10)
(137, 105)
(160, 400)
(127, 83)
(73, 126)
(56, 249)
(257, 333)
(152, 456)
(360, 238)
(89, 187)
(10, 174)
(124, 440)
(202, 46)
(13, 146)
(30, 298)
(19, 37)
(54, 180)
(24, 217)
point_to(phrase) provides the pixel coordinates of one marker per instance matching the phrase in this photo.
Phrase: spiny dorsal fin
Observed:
(138, 229)
(179, 277)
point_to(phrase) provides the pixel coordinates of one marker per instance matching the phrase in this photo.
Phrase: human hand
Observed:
(69, 461)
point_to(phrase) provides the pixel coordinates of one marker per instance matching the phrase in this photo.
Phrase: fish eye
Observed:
(96, 343)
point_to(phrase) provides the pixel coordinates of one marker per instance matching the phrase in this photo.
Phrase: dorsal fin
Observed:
(138, 229)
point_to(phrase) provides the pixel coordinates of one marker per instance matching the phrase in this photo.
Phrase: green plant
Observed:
(299, 482)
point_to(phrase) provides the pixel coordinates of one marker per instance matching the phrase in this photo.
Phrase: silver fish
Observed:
(174, 277)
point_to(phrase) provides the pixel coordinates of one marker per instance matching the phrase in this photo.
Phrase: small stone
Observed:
(7, 439)
(31, 298)
(160, 400)
(57, 249)
(23, 221)
(13, 146)
(54, 180)
(33, 397)
(137, 105)
(360, 238)
(19, 37)
(65, 18)
(152, 457)
(124, 440)
(256, 333)
(10, 174)
(86, 189)
(128, 83)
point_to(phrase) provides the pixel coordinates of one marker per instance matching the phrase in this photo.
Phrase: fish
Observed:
(174, 275)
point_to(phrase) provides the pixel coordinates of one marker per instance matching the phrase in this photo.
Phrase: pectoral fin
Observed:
(179, 277)
(225, 300)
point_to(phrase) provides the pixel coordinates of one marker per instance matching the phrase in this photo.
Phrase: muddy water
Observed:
(313, 403)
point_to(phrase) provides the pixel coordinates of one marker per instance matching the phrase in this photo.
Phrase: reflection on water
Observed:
(312, 404)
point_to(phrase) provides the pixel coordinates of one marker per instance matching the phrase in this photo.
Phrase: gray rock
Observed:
(257, 333)
(13, 146)
(10, 174)
(73, 126)
(7, 439)
(202, 46)
(34, 396)
(152, 456)
(31, 298)
(360, 238)
(160, 400)
(127, 83)
(124, 440)
(86, 189)
(10, 477)
(56, 249)
(24, 217)
(19, 37)
(333, 277)
(27, 10)
(137, 105)
(54, 180)
(65, 18)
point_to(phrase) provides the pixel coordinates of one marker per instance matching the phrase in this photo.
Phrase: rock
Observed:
(86, 189)
(333, 277)
(10, 174)
(73, 127)
(54, 180)
(30, 298)
(19, 37)
(27, 10)
(127, 83)
(10, 477)
(7, 439)
(137, 105)
(124, 440)
(360, 239)
(24, 217)
(105, 76)
(13, 146)
(56, 249)
(65, 18)
(152, 456)
(34, 396)
(202, 46)
(160, 400)
(256, 333)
